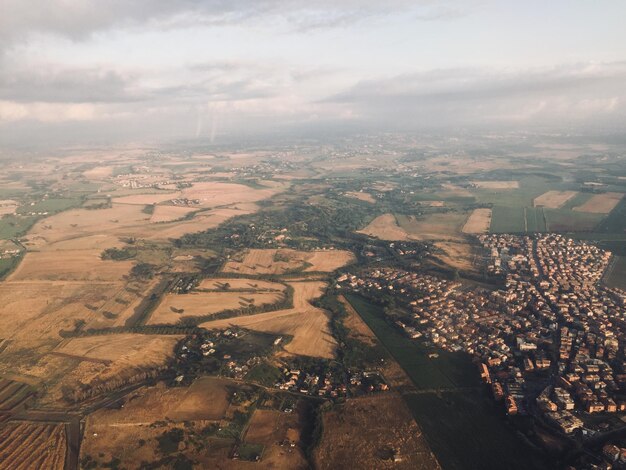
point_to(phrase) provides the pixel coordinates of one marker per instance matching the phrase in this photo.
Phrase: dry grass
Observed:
(269, 428)
(123, 350)
(553, 199)
(169, 213)
(496, 184)
(67, 265)
(32, 446)
(385, 227)
(601, 203)
(442, 226)
(361, 196)
(45, 308)
(175, 307)
(307, 324)
(281, 261)
(402, 227)
(241, 283)
(98, 173)
(456, 254)
(478, 222)
(383, 422)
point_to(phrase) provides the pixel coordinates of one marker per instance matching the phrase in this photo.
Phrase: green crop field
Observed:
(561, 220)
(616, 274)
(535, 219)
(507, 220)
(12, 226)
(51, 205)
(464, 427)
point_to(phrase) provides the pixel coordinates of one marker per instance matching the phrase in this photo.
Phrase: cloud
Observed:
(488, 96)
(78, 19)
(49, 83)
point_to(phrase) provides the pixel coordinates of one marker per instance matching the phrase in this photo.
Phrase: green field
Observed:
(561, 220)
(506, 219)
(463, 426)
(535, 219)
(51, 205)
(616, 275)
(12, 226)
(7, 265)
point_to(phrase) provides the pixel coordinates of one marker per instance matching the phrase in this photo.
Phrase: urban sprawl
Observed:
(550, 342)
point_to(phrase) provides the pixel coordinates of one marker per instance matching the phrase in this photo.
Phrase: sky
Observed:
(79, 71)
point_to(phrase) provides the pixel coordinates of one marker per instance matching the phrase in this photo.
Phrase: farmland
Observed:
(385, 227)
(386, 430)
(307, 325)
(478, 222)
(601, 203)
(175, 307)
(134, 255)
(408, 227)
(553, 199)
(287, 261)
(24, 446)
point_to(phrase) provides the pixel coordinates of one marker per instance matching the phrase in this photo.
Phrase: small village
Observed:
(227, 353)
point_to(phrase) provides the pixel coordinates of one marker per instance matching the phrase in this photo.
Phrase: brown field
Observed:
(307, 324)
(383, 422)
(98, 173)
(554, 199)
(54, 305)
(202, 221)
(496, 184)
(169, 213)
(446, 226)
(367, 197)
(456, 254)
(269, 428)
(146, 199)
(99, 364)
(285, 260)
(210, 194)
(123, 350)
(241, 283)
(385, 227)
(601, 203)
(478, 222)
(7, 206)
(26, 446)
(174, 307)
(357, 328)
(69, 265)
(77, 223)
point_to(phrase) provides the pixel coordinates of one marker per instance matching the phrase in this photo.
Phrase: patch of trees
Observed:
(119, 254)
(143, 271)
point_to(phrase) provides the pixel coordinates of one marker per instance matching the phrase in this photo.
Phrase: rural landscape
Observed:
(219, 308)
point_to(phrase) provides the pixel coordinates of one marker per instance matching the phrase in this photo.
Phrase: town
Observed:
(549, 342)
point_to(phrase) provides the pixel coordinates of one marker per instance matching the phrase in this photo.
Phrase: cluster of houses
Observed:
(553, 327)
(184, 202)
(312, 383)
(329, 385)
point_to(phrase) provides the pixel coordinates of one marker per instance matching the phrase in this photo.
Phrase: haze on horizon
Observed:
(87, 71)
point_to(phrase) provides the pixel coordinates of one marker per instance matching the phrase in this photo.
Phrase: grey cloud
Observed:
(79, 18)
(48, 84)
(470, 96)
